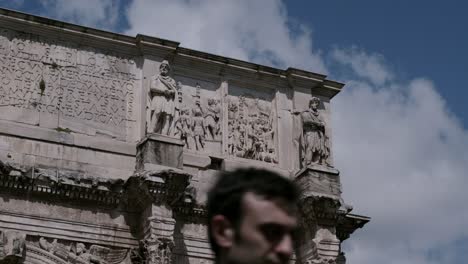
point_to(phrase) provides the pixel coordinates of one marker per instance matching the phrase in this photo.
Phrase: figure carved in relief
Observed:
(82, 256)
(198, 127)
(239, 147)
(162, 95)
(314, 140)
(267, 148)
(251, 133)
(178, 109)
(212, 117)
(44, 244)
(183, 127)
(232, 126)
(79, 254)
(158, 250)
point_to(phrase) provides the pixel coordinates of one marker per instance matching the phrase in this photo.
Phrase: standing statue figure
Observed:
(183, 127)
(198, 127)
(212, 117)
(315, 147)
(162, 94)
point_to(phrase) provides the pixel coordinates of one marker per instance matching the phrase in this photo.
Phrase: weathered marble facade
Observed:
(108, 144)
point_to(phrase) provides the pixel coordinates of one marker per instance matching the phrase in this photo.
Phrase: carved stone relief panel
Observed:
(251, 124)
(62, 251)
(198, 115)
(76, 84)
(158, 250)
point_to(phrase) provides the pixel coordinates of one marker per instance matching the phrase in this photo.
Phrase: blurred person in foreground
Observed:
(252, 217)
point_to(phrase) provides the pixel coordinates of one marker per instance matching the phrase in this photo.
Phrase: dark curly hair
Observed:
(226, 195)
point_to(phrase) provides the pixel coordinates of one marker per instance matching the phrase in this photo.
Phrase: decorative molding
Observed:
(66, 185)
(348, 223)
(162, 185)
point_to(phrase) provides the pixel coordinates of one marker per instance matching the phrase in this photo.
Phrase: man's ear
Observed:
(222, 231)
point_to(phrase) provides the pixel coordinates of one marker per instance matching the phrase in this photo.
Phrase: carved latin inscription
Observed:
(66, 79)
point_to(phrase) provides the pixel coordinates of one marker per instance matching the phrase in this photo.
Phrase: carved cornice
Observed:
(62, 184)
(191, 213)
(157, 186)
(166, 185)
(348, 223)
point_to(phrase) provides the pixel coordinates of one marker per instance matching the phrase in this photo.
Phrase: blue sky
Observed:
(400, 135)
(418, 38)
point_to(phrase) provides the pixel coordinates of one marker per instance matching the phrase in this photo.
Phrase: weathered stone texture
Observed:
(109, 144)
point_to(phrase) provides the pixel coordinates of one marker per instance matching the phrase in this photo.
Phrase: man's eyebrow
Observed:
(286, 227)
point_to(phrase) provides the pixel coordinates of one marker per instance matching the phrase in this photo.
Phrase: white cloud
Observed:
(403, 159)
(369, 66)
(92, 13)
(244, 29)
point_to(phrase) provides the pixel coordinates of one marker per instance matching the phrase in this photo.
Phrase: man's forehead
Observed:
(267, 209)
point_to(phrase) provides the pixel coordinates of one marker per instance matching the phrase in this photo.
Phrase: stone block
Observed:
(161, 150)
(27, 131)
(196, 160)
(47, 120)
(105, 144)
(319, 181)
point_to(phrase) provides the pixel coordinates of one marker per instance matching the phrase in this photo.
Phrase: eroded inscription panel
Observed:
(69, 81)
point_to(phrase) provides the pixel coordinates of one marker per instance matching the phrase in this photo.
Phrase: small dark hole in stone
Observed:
(42, 86)
(216, 163)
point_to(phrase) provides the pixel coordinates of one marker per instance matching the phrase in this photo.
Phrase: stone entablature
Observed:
(108, 144)
(92, 83)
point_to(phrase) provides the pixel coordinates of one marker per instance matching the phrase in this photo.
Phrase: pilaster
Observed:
(157, 187)
(159, 234)
(320, 207)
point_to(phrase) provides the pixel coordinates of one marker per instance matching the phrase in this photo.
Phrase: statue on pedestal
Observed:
(315, 146)
(161, 106)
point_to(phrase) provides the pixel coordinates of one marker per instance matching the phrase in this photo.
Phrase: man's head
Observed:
(164, 68)
(252, 216)
(80, 248)
(314, 103)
